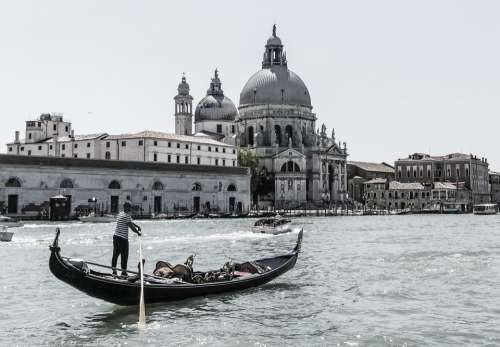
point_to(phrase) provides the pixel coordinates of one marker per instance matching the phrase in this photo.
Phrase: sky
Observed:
(392, 77)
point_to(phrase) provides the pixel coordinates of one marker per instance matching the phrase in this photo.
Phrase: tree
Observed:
(261, 181)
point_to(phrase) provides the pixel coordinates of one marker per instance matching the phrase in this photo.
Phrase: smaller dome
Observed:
(274, 41)
(217, 108)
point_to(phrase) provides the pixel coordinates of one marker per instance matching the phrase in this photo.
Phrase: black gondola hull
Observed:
(122, 292)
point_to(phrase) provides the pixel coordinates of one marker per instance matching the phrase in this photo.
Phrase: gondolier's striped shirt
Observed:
(122, 221)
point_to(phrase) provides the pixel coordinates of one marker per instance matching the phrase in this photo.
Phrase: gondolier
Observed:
(120, 238)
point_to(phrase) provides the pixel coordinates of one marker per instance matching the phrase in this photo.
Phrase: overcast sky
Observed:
(392, 77)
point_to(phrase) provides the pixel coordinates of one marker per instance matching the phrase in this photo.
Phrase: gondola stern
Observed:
(54, 247)
(298, 246)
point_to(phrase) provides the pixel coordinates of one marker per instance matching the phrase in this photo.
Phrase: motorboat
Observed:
(274, 225)
(9, 222)
(485, 209)
(125, 291)
(97, 218)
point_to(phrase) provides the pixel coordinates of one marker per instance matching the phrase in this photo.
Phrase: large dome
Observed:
(215, 108)
(275, 85)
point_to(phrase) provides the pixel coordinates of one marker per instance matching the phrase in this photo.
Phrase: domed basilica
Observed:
(274, 119)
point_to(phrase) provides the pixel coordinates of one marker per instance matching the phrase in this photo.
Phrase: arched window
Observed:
(115, 185)
(231, 188)
(289, 132)
(277, 131)
(66, 183)
(290, 166)
(250, 136)
(13, 182)
(157, 185)
(196, 187)
(107, 155)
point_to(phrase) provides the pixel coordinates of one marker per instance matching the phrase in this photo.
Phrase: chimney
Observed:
(17, 137)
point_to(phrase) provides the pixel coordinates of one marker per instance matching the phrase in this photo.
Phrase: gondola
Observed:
(121, 291)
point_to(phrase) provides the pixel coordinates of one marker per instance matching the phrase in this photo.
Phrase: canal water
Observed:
(360, 281)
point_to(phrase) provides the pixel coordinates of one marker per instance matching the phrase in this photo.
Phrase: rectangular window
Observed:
(50, 147)
(187, 146)
(198, 161)
(67, 129)
(223, 162)
(232, 129)
(63, 147)
(216, 162)
(10, 149)
(178, 159)
(76, 145)
(219, 128)
(88, 144)
(155, 143)
(169, 158)
(234, 162)
(55, 127)
(217, 149)
(186, 160)
(234, 151)
(169, 144)
(22, 149)
(108, 144)
(75, 155)
(29, 136)
(29, 152)
(141, 142)
(223, 150)
(124, 143)
(209, 149)
(88, 155)
(39, 148)
(178, 145)
(155, 157)
(199, 148)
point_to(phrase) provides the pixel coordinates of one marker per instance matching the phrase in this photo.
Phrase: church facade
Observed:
(276, 120)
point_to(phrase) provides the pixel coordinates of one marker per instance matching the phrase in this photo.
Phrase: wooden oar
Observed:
(142, 309)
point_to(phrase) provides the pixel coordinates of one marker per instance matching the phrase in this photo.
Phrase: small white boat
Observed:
(485, 209)
(273, 226)
(93, 218)
(6, 236)
(9, 222)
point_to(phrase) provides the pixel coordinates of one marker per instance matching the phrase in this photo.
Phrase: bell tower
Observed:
(183, 109)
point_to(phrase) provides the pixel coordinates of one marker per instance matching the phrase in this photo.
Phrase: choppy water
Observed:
(360, 281)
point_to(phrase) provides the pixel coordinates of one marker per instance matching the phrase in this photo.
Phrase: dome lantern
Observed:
(274, 54)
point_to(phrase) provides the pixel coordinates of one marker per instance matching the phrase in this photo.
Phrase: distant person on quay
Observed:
(120, 238)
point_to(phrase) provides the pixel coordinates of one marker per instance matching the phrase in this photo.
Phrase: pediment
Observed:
(289, 153)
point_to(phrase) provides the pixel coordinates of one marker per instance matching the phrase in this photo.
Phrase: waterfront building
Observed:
(277, 123)
(394, 195)
(27, 184)
(457, 168)
(495, 187)
(359, 172)
(43, 139)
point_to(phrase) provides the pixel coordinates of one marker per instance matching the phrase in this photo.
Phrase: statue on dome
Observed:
(333, 134)
(323, 130)
(274, 30)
